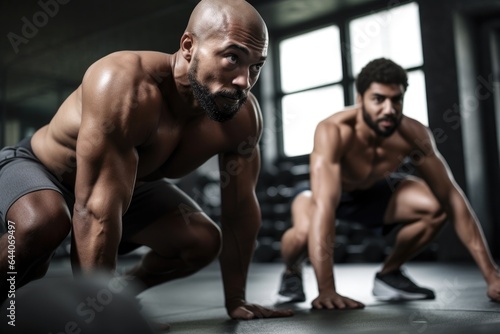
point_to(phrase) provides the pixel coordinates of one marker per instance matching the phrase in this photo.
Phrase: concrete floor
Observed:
(195, 304)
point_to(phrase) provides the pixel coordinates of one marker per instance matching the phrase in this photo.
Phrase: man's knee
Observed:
(434, 214)
(46, 232)
(438, 219)
(302, 205)
(301, 236)
(302, 201)
(39, 269)
(213, 245)
(207, 247)
(42, 231)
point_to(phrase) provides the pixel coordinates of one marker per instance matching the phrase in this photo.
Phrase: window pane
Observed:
(415, 103)
(302, 112)
(299, 70)
(393, 34)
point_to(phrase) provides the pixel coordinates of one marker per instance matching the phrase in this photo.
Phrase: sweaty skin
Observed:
(348, 155)
(134, 118)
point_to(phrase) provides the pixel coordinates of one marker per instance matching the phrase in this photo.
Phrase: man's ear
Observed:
(359, 98)
(187, 43)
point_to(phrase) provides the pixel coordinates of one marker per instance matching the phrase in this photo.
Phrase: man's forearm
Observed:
(239, 235)
(94, 243)
(320, 247)
(470, 233)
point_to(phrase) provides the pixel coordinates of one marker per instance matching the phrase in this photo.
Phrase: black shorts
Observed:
(368, 206)
(21, 173)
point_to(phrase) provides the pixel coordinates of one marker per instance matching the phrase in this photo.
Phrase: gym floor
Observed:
(195, 304)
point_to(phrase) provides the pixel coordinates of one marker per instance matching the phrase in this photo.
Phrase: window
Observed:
(313, 80)
(311, 71)
(393, 34)
(303, 111)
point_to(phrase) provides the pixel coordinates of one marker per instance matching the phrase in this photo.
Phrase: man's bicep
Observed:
(118, 115)
(106, 170)
(325, 168)
(438, 176)
(431, 165)
(326, 185)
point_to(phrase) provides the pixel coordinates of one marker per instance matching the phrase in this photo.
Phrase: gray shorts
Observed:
(22, 173)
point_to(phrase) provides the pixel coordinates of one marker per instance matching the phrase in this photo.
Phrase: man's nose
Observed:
(389, 108)
(242, 80)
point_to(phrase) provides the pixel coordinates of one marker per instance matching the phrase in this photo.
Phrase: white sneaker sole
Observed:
(384, 292)
(280, 299)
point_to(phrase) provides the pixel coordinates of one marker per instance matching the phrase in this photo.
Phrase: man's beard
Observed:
(207, 100)
(375, 127)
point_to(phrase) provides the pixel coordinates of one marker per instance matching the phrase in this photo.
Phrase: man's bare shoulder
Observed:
(414, 132)
(136, 66)
(335, 133)
(343, 122)
(123, 88)
(253, 108)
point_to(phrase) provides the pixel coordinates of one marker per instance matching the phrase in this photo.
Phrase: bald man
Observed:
(99, 168)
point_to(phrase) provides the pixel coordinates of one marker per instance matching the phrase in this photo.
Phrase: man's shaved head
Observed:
(225, 44)
(213, 17)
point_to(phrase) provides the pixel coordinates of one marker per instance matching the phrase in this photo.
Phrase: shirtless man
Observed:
(355, 154)
(99, 167)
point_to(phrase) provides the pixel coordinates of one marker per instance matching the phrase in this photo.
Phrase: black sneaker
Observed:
(397, 286)
(291, 289)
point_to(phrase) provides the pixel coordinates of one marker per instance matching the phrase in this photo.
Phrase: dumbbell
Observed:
(374, 249)
(340, 253)
(267, 250)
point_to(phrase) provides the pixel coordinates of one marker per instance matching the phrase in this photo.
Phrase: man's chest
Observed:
(176, 152)
(362, 166)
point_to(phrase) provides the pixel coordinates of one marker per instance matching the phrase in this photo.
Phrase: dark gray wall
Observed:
(458, 103)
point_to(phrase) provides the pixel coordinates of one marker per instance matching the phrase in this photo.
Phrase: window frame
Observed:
(340, 19)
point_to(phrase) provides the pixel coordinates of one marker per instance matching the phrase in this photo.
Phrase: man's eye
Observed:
(256, 68)
(232, 58)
